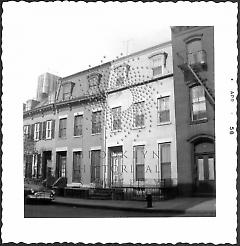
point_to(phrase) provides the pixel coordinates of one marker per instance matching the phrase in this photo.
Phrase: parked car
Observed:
(40, 197)
(36, 194)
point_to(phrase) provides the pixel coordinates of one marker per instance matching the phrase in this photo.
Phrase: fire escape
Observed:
(192, 64)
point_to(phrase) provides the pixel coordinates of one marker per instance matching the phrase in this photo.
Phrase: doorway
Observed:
(46, 164)
(205, 168)
(115, 162)
(61, 164)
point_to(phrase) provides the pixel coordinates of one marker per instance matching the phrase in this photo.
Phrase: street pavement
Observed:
(62, 211)
(190, 206)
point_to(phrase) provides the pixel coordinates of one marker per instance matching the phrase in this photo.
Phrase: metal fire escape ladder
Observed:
(207, 90)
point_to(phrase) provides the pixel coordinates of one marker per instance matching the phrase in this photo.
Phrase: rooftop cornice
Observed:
(62, 104)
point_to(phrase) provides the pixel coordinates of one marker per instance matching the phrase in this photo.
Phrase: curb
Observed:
(149, 210)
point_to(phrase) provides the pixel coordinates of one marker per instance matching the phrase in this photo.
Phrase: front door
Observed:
(46, 163)
(206, 179)
(61, 164)
(116, 165)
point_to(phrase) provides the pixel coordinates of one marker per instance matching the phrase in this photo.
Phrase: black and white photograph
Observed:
(119, 117)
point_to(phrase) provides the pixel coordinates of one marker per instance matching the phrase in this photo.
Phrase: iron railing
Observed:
(194, 58)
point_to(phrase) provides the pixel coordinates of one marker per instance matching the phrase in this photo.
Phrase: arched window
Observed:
(195, 52)
(158, 63)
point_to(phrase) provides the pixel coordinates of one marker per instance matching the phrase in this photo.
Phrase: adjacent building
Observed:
(193, 69)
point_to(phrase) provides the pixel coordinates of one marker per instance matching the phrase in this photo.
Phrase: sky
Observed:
(66, 38)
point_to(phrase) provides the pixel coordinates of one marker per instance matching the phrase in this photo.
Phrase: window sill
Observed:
(98, 133)
(79, 136)
(157, 76)
(164, 123)
(116, 131)
(138, 127)
(199, 121)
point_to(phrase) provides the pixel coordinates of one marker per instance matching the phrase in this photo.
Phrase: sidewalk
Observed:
(196, 206)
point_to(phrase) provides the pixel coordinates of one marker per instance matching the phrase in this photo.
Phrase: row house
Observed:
(66, 136)
(140, 129)
(142, 120)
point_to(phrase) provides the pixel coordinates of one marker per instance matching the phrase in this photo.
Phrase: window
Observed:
(67, 90)
(163, 109)
(77, 160)
(49, 129)
(63, 128)
(36, 131)
(116, 118)
(121, 73)
(78, 119)
(165, 157)
(95, 166)
(139, 158)
(96, 122)
(94, 80)
(198, 101)
(200, 165)
(195, 53)
(211, 169)
(138, 114)
(157, 65)
(26, 131)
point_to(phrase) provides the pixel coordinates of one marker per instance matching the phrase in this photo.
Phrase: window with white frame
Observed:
(26, 130)
(78, 121)
(198, 101)
(116, 118)
(138, 114)
(36, 131)
(157, 65)
(49, 129)
(139, 159)
(163, 109)
(165, 160)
